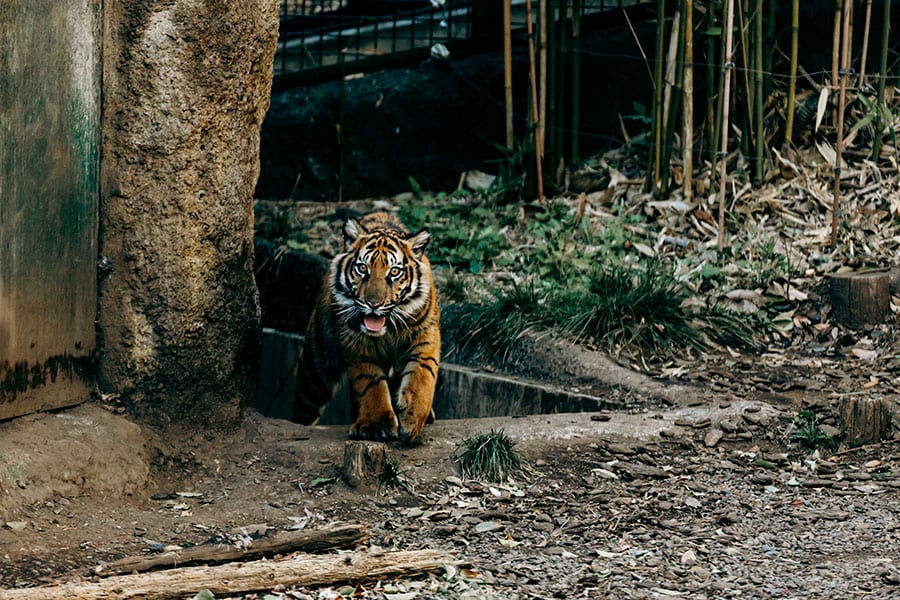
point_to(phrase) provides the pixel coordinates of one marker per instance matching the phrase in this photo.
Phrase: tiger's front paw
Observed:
(411, 423)
(379, 430)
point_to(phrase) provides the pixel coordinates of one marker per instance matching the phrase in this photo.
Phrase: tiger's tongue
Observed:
(374, 323)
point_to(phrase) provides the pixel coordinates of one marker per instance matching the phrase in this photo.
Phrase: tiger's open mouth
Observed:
(374, 323)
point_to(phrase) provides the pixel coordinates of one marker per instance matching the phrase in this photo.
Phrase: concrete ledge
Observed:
(465, 393)
(461, 393)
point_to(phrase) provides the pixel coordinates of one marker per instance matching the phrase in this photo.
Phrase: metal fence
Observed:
(318, 37)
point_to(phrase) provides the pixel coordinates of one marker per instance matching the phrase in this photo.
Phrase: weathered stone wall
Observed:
(186, 86)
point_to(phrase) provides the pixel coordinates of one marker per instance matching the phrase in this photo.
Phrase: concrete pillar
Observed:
(186, 86)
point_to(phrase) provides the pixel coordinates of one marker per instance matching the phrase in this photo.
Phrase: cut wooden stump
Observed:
(363, 462)
(895, 282)
(238, 578)
(333, 536)
(859, 299)
(865, 420)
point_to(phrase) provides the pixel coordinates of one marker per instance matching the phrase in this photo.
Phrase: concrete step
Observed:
(462, 393)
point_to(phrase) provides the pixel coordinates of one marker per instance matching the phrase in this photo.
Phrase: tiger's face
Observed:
(382, 279)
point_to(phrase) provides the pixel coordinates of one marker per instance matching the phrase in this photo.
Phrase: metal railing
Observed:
(327, 37)
(322, 33)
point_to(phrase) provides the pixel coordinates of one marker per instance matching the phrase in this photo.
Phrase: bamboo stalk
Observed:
(637, 42)
(562, 64)
(882, 77)
(865, 45)
(760, 142)
(769, 46)
(507, 71)
(542, 39)
(687, 150)
(748, 129)
(792, 81)
(671, 97)
(717, 130)
(845, 76)
(339, 131)
(534, 102)
(836, 44)
(576, 79)
(726, 93)
(551, 150)
(658, 87)
(711, 103)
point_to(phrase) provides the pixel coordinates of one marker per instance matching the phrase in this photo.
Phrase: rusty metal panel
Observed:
(49, 159)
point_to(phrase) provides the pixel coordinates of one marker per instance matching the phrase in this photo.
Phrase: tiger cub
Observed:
(377, 323)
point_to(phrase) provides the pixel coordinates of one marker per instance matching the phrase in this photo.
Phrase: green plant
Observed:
(617, 306)
(274, 226)
(488, 457)
(757, 258)
(451, 286)
(731, 328)
(393, 477)
(512, 176)
(806, 432)
(622, 305)
(456, 243)
(490, 330)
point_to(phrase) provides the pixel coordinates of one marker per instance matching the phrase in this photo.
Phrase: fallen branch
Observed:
(237, 578)
(335, 536)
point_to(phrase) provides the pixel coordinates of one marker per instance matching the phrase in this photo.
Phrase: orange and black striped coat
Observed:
(377, 323)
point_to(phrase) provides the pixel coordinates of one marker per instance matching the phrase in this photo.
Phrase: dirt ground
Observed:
(704, 499)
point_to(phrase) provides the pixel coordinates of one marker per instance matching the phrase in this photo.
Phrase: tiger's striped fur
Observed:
(377, 324)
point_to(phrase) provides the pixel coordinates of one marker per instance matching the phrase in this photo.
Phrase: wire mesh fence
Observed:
(317, 35)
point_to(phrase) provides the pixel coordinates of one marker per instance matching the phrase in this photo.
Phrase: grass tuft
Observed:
(392, 477)
(488, 457)
(489, 331)
(624, 306)
(806, 432)
(616, 307)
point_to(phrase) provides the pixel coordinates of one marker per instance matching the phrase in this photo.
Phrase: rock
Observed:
(636, 470)
(728, 426)
(817, 483)
(619, 448)
(830, 430)
(713, 437)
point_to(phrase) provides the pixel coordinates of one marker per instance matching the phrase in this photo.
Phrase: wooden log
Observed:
(239, 578)
(363, 462)
(865, 420)
(313, 540)
(859, 299)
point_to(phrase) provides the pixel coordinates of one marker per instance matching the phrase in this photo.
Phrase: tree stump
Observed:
(859, 299)
(363, 462)
(865, 420)
(895, 282)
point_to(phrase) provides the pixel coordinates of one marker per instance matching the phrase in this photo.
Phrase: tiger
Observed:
(376, 326)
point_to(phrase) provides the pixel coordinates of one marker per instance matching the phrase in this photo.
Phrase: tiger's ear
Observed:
(419, 241)
(352, 230)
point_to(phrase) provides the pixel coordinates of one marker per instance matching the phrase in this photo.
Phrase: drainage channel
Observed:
(462, 392)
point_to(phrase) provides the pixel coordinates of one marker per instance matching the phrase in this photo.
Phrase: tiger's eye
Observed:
(362, 268)
(395, 271)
